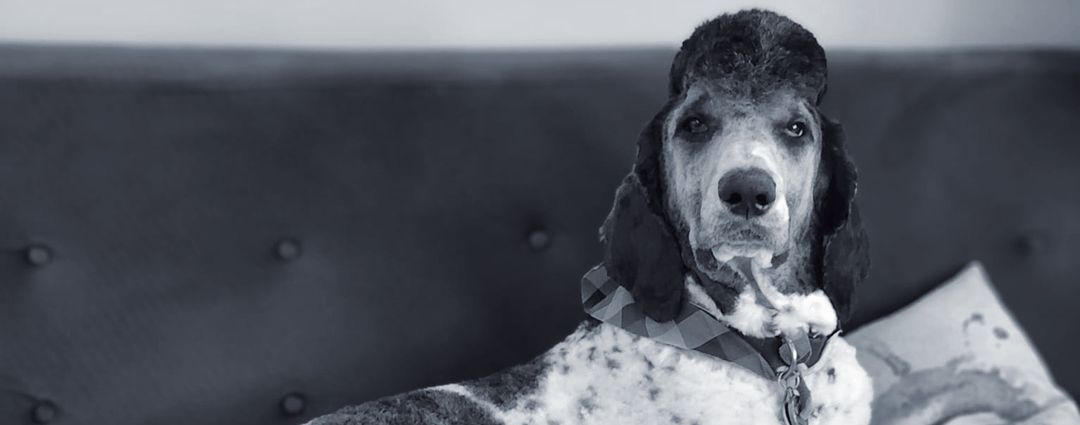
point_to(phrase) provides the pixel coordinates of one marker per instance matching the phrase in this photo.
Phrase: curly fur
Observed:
(751, 53)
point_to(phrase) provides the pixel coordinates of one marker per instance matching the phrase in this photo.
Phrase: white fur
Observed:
(699, 298)
(791, 314)
(796, 313)
(654, 383)
(750, 317)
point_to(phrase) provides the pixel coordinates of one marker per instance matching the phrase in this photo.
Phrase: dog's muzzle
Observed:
(747, 193)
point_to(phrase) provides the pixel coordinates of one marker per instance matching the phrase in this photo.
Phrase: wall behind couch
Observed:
(537, 23)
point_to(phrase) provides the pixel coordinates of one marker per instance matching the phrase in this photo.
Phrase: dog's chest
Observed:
(604, 375)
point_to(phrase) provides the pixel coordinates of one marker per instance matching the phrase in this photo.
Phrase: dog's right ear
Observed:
(640, 250)
(641, 254)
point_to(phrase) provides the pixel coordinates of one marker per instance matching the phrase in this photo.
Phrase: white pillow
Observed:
(957, 356)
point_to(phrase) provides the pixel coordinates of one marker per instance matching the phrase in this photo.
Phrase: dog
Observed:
(731, 256)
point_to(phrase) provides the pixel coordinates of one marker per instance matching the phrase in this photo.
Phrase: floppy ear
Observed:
(846, 259)
(640, 251)
(641, 254)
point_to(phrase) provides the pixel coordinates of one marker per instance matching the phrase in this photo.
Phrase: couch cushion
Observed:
(958, 354)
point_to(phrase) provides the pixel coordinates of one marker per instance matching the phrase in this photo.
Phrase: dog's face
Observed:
(739, 189)
(740, 174)
(742, 193)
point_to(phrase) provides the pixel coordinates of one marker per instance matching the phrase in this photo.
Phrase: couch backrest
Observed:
(235, 237)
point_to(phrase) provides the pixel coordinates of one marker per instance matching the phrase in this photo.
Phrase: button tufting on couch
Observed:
(38, 255)
(44, 412)
(260, 237)
(288, 249)
(293, 404)
(539, 239)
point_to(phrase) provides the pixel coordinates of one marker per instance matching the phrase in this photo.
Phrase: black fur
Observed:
(846, 259)
(750, 53)
(641, 253)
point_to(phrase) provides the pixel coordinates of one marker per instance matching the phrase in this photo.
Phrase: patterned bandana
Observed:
(695, 329)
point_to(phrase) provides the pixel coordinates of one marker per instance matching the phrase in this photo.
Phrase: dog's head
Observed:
(743, 185)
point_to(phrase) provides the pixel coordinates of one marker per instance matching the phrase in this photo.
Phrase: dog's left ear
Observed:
(846, 256)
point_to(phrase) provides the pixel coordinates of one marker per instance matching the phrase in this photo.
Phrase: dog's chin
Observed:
(751, 242)
(711, 261)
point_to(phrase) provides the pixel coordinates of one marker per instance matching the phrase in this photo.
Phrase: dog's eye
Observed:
(694, 125)
(796, 129)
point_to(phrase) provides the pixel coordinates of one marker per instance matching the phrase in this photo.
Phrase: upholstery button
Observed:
(44, 412)
(288, 249)
(1030, 244)
(38, 255)
(293, 404)
(539, 239)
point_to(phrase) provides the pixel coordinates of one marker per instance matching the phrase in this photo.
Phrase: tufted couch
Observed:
(259, 237)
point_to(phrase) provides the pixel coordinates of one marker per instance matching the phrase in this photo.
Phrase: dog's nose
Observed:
(747, 193)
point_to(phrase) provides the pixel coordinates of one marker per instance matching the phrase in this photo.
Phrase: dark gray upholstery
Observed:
(258, 237)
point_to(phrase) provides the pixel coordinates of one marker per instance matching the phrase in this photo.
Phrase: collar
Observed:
(695, 329)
